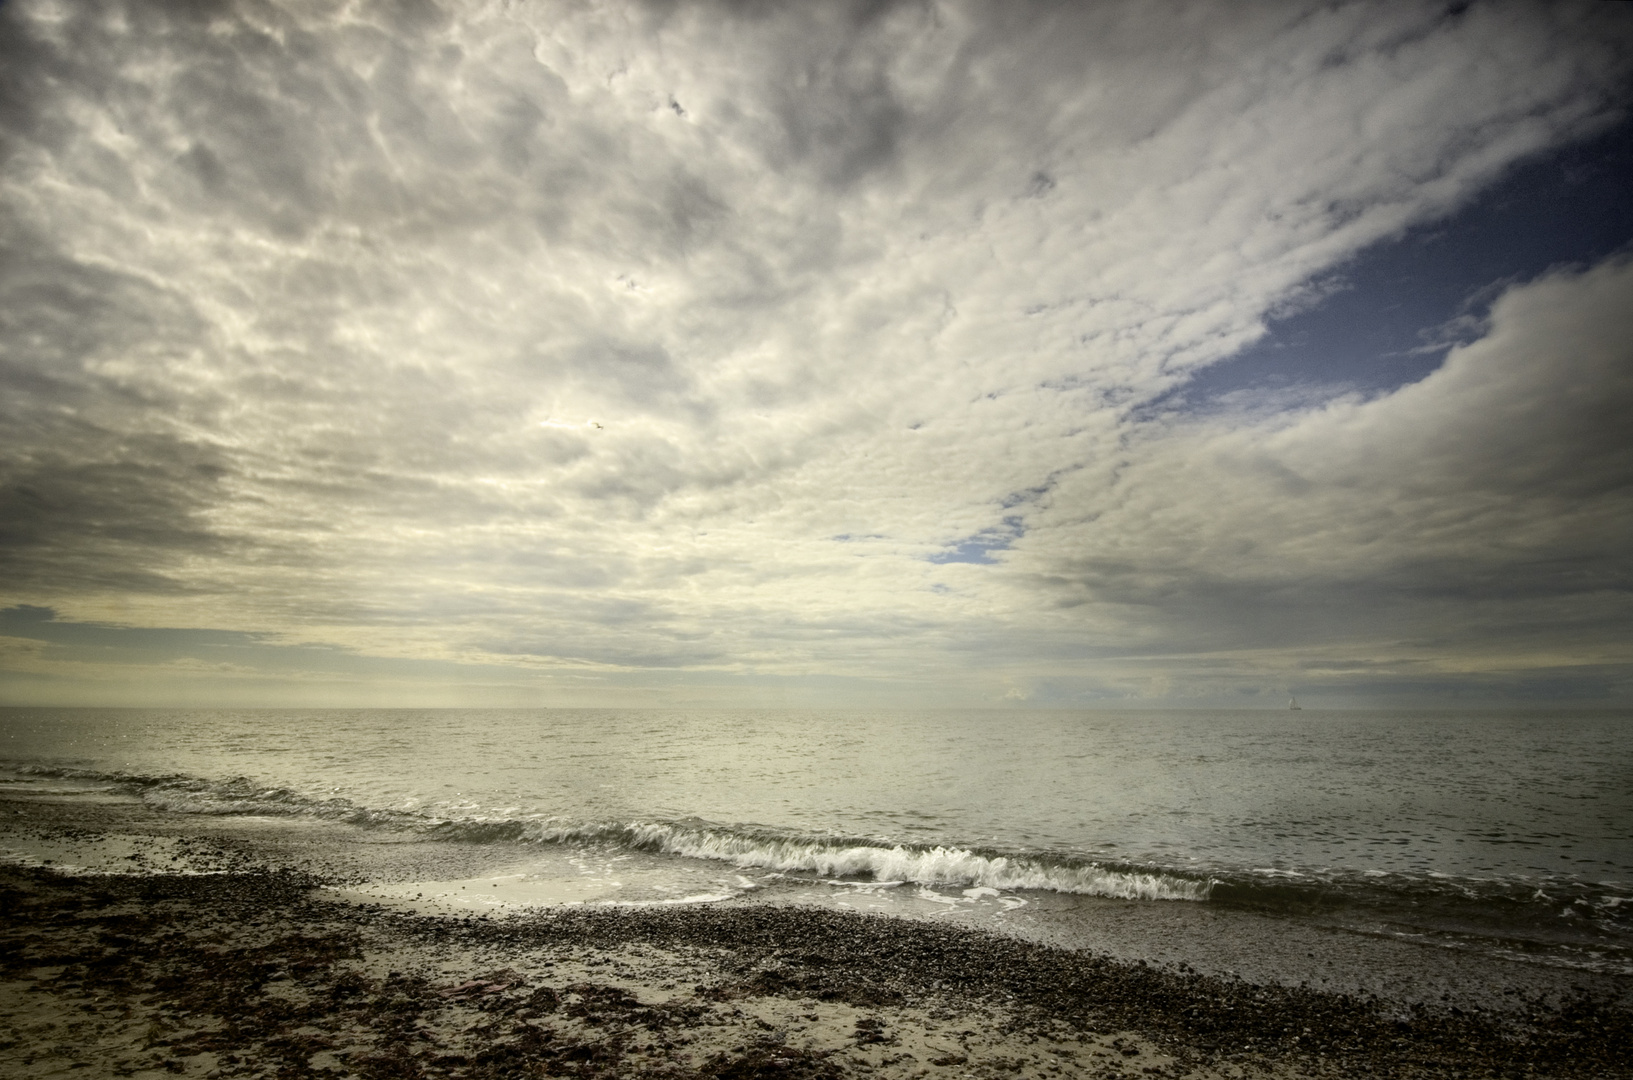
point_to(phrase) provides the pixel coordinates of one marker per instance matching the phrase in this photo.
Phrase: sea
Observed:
(1449, 855)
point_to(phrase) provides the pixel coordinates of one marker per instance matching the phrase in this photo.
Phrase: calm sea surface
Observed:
(1512, 831)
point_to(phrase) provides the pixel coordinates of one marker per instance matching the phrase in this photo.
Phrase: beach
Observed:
(245, 948)
(851, 538)
(901, 538)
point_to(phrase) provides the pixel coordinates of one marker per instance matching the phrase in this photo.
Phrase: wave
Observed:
(921, 865)
(1552, 909)
(236, 796)
(744, 847)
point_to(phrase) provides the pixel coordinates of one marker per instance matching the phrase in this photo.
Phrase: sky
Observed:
(832, 354)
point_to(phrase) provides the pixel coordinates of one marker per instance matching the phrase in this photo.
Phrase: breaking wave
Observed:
(745, 847)
(830, 858)
(1550, 912)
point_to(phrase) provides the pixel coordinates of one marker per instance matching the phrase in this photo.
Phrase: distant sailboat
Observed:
(1292, 703)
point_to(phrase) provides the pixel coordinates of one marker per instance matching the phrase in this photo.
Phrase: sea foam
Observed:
(950, 866)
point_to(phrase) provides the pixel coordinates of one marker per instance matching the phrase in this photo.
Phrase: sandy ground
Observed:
(220, 953)
(287, 995)
(267, 976)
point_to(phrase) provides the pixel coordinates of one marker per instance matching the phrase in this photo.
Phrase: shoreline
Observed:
(237, 947)
(101, 828)
(266, 974)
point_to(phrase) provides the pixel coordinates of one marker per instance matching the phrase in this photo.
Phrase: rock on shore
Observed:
(268, 975)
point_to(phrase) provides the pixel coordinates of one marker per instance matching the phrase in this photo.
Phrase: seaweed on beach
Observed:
(251, 974)
(871, 960)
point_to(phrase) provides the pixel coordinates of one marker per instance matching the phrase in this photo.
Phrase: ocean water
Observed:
(1504, 835)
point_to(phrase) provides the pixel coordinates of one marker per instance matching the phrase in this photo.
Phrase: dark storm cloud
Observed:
(85, 502)
(41, 624)
(131, 521)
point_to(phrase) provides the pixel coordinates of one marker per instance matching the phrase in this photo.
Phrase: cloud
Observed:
(307, 307)
(1483, 508)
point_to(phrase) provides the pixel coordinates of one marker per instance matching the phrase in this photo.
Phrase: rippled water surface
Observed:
(1407, 793)
(1487, 822)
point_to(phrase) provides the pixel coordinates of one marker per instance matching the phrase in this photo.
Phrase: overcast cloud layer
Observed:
(613, 352)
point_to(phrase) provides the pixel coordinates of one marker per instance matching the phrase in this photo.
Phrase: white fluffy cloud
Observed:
(687, 337)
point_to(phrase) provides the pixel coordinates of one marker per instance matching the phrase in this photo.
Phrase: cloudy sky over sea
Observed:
(822, 353)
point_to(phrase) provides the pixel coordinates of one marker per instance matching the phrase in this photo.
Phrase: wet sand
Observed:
(261, 966)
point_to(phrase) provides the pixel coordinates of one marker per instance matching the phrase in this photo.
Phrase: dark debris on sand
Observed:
(256, 975)
(871, 960)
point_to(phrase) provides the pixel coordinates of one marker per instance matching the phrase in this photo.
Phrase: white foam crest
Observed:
(922, 866)
(947, 866)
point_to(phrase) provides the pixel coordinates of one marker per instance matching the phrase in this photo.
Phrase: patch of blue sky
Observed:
(1389, 316)
(979, 548)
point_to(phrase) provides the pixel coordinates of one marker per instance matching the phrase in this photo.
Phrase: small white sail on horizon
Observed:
(1292, 703)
